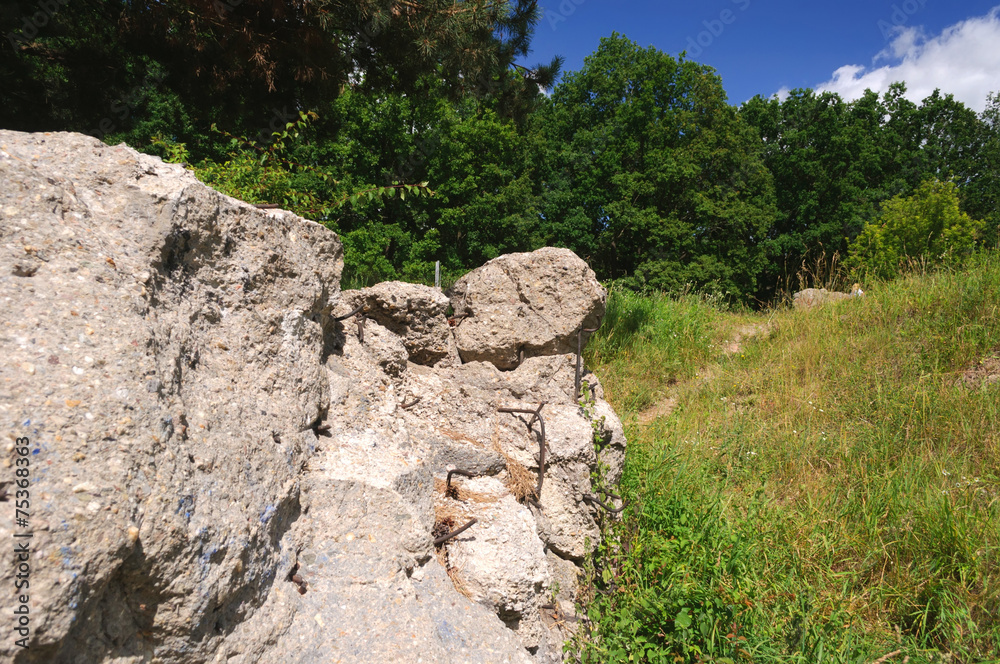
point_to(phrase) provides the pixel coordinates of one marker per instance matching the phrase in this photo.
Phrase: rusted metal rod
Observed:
(353, 313)
(463, 473)
(593, 499)
(536, 414)
(445, 538)
(360, 321)
(579, 359)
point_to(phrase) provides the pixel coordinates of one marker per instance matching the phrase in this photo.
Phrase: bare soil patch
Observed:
(987, 372)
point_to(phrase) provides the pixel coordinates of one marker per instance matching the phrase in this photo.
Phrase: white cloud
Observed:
(963, 60)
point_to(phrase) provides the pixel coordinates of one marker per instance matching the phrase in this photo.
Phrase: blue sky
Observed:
(770, 46)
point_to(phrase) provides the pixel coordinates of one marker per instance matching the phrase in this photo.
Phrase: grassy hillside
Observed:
(806, 486)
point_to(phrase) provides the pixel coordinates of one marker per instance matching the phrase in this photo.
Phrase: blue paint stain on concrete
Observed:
(446, 632)
(185, 503)
(206, 560)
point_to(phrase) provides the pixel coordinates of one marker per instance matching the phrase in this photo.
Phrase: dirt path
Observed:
(666, 405)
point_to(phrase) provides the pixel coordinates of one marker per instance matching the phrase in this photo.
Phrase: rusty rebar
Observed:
(360, 321)
(463, 473)
(300, 583)
(353, 313)
(593, 499)
(536, 414)
(579, 359)
(456, 319)
(445, 538)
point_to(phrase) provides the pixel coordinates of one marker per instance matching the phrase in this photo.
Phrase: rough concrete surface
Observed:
(815, 297)
(221, 471)
(414, 312)
(525, 304)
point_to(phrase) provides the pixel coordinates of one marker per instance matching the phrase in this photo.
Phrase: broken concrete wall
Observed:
(223, 468)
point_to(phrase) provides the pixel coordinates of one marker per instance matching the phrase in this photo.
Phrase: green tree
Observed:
(927, 226)
(250, 65)
(649, 172)
(485, 202)
(982, 192)
(835, 163)
(475, 161)
(828, 167)
(382, 147)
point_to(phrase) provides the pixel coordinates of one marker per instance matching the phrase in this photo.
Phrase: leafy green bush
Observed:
(927, 227)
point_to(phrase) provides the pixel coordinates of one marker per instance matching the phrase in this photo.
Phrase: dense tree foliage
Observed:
(652, 174)
(835, 163)
(409, 128)
(111, 66)
(982, 191)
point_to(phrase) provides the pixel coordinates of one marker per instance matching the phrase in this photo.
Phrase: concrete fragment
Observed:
(413, 312)
(216, 357)
(224, 472)
(531, 303)
(815, 297)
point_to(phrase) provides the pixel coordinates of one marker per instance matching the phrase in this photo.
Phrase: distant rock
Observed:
(530, 303)
(815, 297)
(986, 372)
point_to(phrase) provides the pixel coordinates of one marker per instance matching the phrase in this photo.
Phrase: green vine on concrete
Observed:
(587, 404)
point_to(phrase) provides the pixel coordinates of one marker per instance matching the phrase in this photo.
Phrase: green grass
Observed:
(648, 342)
(830, 492)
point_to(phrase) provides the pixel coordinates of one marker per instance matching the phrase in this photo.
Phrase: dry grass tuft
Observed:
(460, 493)
(459, 436)
(447, 516)
(520, 481)
(448, 513)
(456, 577)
